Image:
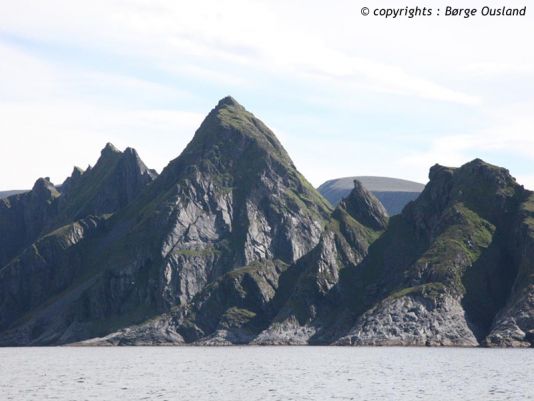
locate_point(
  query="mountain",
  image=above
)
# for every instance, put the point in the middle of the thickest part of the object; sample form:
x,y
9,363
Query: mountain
x,y
231,245
453,269
114,180
393,193
232,200
44,234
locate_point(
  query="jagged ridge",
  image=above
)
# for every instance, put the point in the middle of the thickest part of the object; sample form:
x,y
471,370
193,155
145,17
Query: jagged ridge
x,y
230,244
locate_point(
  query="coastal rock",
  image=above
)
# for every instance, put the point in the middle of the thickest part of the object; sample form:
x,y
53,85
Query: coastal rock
x,y
231,245
419,318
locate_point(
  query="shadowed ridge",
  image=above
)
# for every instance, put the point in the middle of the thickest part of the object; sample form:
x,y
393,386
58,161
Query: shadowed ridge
x,y
363,206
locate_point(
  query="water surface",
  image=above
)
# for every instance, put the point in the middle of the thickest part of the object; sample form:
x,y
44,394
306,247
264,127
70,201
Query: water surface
x,y
265,373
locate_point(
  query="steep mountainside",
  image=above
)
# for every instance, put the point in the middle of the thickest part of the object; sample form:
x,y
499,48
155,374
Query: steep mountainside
x,y
116,178
314,298
233,199
450,267
393,193
270,301
43,231
231,245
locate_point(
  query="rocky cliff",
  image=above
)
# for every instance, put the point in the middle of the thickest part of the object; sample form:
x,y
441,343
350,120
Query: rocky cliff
x,y
45,232
232,200
447,270
231,245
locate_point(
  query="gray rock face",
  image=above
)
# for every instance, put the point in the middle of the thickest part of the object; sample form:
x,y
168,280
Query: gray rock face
x,y
23,217
43,269
231,199
513,326
158,331
413,319
311,312
287,331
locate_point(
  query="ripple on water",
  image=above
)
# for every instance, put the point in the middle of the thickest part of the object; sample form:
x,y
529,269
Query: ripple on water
x,y
266,373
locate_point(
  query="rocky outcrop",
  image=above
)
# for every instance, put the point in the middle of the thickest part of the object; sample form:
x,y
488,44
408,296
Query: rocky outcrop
x,y
236,306
160,330
363,206
513,326
44,269
116,179
453,245
73,180
24,217
419,316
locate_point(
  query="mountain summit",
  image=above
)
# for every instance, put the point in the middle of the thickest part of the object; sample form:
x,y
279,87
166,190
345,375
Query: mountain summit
x,y
232,200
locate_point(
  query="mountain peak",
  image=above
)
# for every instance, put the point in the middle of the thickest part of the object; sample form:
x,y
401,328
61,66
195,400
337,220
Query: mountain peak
x,y
437,170
72,180
77,171
44,189
481,167
478,161
42,183
109,155
230,132
363,206
228,101
116,178
109,149
132,158
486,189
476,171
132,155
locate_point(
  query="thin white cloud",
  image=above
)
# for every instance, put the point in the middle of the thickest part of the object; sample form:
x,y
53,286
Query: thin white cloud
x,y
48,127
511,132
382,78
250,34
427,70
76,133
492,68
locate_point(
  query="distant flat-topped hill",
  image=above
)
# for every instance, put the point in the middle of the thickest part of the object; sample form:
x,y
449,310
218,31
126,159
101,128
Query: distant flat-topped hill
x,y
5,194
394,193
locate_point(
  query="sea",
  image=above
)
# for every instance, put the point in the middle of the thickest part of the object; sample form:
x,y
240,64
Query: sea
x,y
265,373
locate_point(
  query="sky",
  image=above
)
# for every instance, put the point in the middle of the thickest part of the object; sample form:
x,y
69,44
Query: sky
x,y
346,94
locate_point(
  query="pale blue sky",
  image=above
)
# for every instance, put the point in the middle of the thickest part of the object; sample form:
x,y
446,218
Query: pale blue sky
x,y
346,94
